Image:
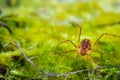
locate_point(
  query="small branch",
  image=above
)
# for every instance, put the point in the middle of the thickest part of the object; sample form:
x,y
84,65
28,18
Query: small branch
x,y
25,56
31,58
85,70
27,59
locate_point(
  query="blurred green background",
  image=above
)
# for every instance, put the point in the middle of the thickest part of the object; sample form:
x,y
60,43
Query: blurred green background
x,y
39,25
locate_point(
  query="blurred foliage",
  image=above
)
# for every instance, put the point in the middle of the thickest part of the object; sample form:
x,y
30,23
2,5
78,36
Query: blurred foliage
x,y
40,25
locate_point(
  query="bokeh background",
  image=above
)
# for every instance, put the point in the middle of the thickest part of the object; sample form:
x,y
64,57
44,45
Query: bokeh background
x,y
39,25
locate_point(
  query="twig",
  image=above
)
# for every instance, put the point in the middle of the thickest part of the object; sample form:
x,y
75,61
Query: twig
x,y
85,70
27,59
31,58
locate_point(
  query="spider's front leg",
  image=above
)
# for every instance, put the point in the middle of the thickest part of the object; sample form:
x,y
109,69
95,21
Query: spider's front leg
x,y
65,42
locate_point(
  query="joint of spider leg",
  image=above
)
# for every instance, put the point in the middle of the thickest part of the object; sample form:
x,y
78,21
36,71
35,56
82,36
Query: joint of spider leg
x,y
111,35
105,33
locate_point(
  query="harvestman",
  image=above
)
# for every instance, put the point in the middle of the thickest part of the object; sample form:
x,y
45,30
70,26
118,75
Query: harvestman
x,y
84,47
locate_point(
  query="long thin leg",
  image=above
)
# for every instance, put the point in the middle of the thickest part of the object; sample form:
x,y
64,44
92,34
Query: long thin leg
x,y
79,32
75,24
101,55
103,35
64,51
64,42
67,41
74,63
89,74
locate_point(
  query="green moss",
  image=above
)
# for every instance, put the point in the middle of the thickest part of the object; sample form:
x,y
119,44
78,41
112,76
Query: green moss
x,y
40,27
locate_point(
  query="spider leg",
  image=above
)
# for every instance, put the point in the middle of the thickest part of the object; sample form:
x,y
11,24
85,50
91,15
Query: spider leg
x,y
89,72
79,32
67,51
101,55
67,41
103,35
75,24
99,39
74,63
64,42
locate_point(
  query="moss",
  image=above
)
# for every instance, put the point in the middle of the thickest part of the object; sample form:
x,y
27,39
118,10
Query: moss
x,y
40,27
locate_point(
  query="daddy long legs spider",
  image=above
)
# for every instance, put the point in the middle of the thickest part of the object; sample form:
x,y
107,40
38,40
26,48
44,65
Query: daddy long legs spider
x,y
84,46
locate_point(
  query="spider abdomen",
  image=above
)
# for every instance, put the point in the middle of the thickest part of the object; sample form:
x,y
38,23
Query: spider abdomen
x,y
84,47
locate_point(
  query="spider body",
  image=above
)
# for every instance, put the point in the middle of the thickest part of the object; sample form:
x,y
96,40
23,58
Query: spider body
x,y
84,47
